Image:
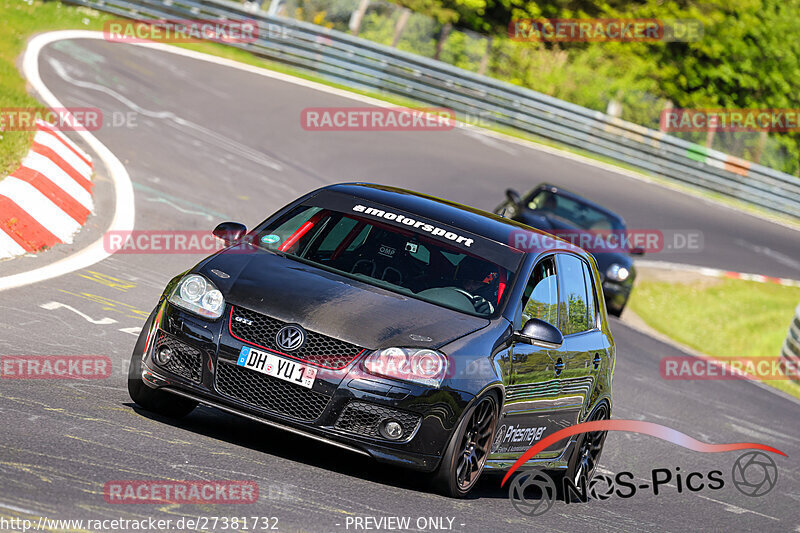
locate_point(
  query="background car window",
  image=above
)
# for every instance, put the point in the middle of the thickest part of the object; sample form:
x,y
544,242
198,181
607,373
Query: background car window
x,y
572,300
590,292
582,215
541,294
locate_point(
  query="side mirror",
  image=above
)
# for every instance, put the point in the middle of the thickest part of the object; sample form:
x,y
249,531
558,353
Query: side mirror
x,y
513,196
230,232
535,331
637,251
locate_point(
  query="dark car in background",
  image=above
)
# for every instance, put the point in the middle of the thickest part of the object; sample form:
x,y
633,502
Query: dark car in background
x,y
394,325
565,214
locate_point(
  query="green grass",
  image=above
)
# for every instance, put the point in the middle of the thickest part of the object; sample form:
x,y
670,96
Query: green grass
x,y
732,318
18,21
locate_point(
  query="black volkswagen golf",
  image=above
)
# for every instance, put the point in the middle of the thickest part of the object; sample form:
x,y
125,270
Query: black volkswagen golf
x,y
393,324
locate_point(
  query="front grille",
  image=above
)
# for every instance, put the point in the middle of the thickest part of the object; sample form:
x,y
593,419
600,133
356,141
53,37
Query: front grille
x,y
364,419
318,349
269,393
186,360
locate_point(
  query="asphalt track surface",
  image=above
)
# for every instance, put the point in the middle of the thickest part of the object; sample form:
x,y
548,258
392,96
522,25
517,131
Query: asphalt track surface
x,y
213,143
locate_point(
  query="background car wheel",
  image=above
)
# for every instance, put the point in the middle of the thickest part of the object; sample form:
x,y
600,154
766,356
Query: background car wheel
x,y
586,454
466,454
157,401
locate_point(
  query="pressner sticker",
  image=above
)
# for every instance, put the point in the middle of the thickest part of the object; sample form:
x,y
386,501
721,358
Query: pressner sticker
x,y
416,224
513,438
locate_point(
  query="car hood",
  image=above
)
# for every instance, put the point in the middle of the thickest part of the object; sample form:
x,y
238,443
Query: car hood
x,y
331,304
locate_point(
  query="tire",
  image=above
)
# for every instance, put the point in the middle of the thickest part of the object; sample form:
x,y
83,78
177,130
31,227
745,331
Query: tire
x,y
586,454
469,447
157,401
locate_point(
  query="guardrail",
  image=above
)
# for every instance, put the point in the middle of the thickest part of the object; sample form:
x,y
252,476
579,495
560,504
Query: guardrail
x,y
790,353
363,64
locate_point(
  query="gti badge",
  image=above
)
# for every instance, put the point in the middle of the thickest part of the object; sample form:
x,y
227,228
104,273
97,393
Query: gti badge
x,y
243,320
290,338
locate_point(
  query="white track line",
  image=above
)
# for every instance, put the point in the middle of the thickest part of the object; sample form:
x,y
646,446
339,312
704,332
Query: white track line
x,y
124,198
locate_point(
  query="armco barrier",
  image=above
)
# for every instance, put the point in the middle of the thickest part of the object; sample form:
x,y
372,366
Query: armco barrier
x,y
790,353
363,64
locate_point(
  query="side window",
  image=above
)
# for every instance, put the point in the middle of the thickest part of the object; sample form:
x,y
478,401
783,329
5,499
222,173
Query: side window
x,y
572,295
590,292
541,294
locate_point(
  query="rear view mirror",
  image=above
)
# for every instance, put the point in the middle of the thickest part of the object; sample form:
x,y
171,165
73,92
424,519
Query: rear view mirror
x,y
513,196
230,232
535,331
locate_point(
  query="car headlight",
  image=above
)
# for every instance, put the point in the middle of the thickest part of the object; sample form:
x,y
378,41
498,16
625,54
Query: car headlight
x,y
419,365
196,294
617,272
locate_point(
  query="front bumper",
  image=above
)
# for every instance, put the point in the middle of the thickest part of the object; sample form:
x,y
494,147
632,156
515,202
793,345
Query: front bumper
x,y
616,293
343,408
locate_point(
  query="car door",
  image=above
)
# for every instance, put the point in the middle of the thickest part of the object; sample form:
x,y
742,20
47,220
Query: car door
x,y
532,406
577,360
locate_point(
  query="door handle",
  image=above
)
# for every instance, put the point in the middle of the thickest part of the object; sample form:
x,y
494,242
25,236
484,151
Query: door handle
x,y
559,366
596,361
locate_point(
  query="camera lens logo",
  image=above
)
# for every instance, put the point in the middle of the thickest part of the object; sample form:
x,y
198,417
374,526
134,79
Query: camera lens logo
x,y
541,493
601,487
754,474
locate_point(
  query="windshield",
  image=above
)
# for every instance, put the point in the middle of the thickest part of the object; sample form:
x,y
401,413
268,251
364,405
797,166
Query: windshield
x,y
399,256
577,213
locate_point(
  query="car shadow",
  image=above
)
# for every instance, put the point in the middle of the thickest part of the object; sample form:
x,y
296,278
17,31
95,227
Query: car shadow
x,y
246,433
218,425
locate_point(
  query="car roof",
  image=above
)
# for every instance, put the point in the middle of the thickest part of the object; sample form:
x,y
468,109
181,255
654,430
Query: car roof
x,y
561,191
477,221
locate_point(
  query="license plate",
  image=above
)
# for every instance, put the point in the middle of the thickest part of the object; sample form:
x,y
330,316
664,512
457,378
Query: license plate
x,y
277,367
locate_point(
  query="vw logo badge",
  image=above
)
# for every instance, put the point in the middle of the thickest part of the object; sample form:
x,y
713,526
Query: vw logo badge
x,y
290,338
